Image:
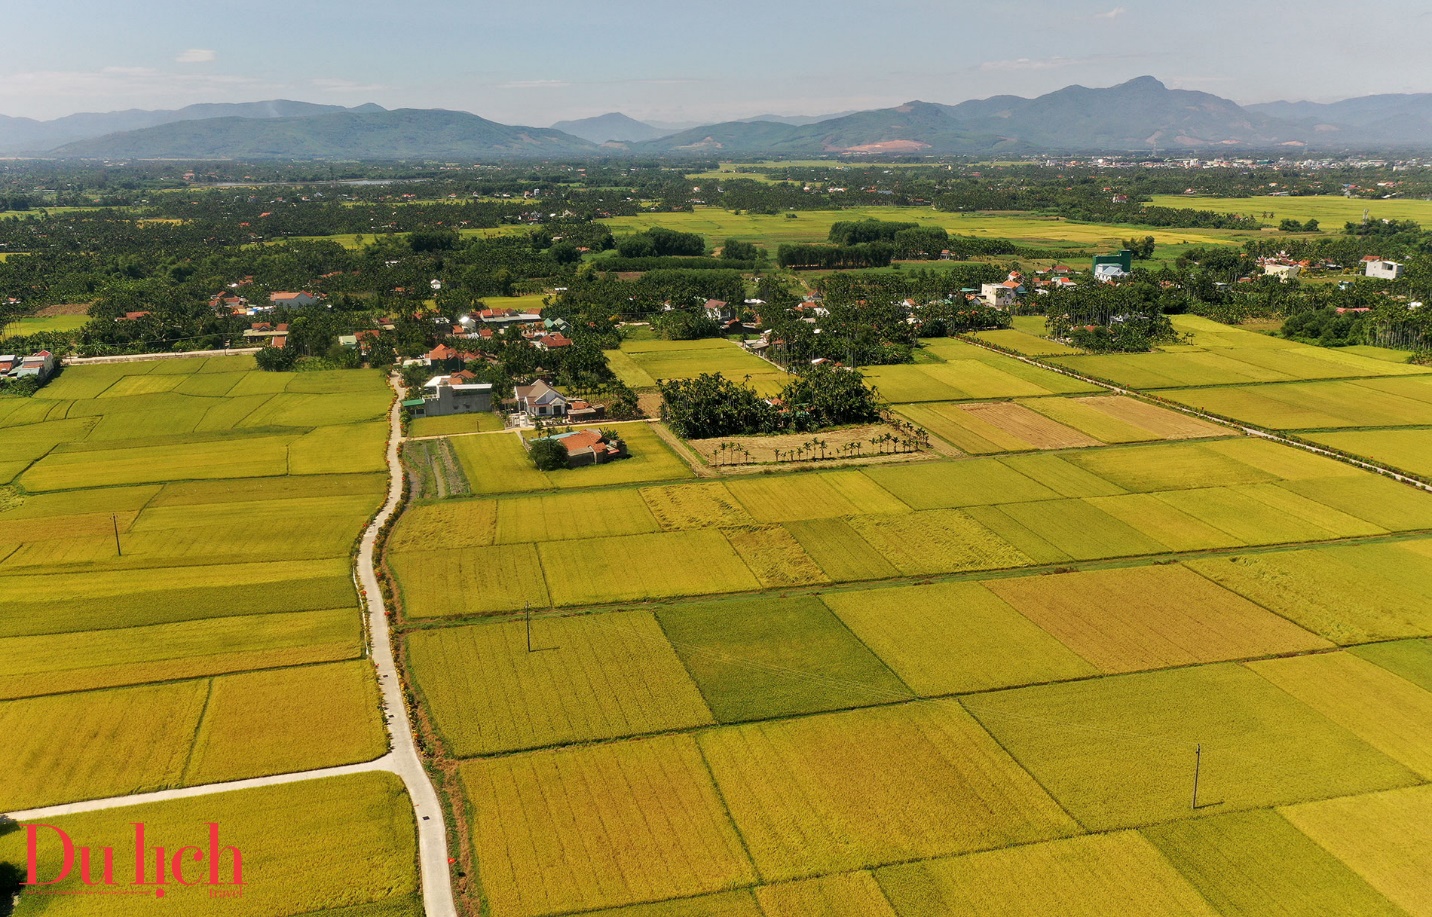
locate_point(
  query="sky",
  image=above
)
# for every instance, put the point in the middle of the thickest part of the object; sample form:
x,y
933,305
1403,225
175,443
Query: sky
x,y
538,61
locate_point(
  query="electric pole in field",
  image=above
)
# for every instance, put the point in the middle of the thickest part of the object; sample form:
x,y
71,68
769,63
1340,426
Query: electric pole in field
x,y
117,549
1197,766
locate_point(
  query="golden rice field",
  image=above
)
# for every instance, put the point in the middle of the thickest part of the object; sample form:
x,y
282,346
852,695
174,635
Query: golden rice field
x,y
277,829
970,683
175,577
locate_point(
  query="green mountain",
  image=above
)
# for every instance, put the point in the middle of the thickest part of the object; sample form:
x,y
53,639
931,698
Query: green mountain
x,y
401,134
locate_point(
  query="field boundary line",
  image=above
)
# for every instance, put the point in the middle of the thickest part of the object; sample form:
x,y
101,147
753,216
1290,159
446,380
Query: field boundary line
x,y
1242,427
385,763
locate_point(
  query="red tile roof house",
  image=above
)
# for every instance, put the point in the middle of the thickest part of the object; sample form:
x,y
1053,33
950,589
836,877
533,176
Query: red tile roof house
x,y
590,447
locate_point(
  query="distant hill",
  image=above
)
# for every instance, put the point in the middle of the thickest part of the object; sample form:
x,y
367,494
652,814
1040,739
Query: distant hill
x,y
26,135
1141,114
610,127
1398,120
401,134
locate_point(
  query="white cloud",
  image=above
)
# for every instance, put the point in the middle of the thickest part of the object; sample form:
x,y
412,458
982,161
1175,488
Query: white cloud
x,y
330,84
534,84
197,56
1114,13
1027,63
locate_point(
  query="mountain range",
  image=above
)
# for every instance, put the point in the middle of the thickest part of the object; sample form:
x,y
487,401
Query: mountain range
x,y
1142,115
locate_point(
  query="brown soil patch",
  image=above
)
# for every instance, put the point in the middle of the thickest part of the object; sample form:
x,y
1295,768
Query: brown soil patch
x,y
69,308
1036,429
649,403
1159,421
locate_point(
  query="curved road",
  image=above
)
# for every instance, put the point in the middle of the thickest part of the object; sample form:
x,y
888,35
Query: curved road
x,y
402,759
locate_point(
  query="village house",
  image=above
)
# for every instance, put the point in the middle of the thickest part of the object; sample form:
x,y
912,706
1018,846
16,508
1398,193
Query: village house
x,y
1283,270
507,317
458,393
999,295
1382,270
40,366
590,447
260,334
540,400
299,300
719,310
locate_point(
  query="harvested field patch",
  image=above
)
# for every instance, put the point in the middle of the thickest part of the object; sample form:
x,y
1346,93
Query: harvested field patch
x,y
839,443
1258,863
559,517
766,657
851,894
620,824
1038,431
165,652
1385,711
620,569
833,792
1119,751
840,551
593,677
1348,594
127,740
287,720
775,556
452,582
277,829
1150,617
940,485
936,541
1079,877
953,638
1384,837
694,506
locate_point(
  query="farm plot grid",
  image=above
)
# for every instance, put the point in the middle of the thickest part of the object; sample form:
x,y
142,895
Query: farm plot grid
x,y
176,581
908,690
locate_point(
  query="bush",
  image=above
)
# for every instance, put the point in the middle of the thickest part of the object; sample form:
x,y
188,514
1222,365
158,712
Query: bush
x,y
275,360
548,454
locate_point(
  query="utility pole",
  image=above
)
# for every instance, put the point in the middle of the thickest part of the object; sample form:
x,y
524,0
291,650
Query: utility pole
x,y
117,549
1197,766
529,626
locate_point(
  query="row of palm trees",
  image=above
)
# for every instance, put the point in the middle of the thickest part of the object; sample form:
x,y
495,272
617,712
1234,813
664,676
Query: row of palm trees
x,y
908,438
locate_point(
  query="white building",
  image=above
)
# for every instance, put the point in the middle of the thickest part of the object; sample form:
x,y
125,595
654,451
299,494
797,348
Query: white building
x,y
1384,270
999,295
1283,272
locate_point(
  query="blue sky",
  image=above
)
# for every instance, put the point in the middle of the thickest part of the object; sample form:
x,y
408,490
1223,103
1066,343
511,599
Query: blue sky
x,y
538,61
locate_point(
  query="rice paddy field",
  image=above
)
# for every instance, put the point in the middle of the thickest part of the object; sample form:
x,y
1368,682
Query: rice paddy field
x,y
771,230
641,364
977,682
175,577
277,830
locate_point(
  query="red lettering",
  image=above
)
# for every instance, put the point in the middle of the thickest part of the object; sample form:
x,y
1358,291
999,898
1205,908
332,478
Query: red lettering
x,y
32,855
214,852
159,878
85,876
176,865
139,853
